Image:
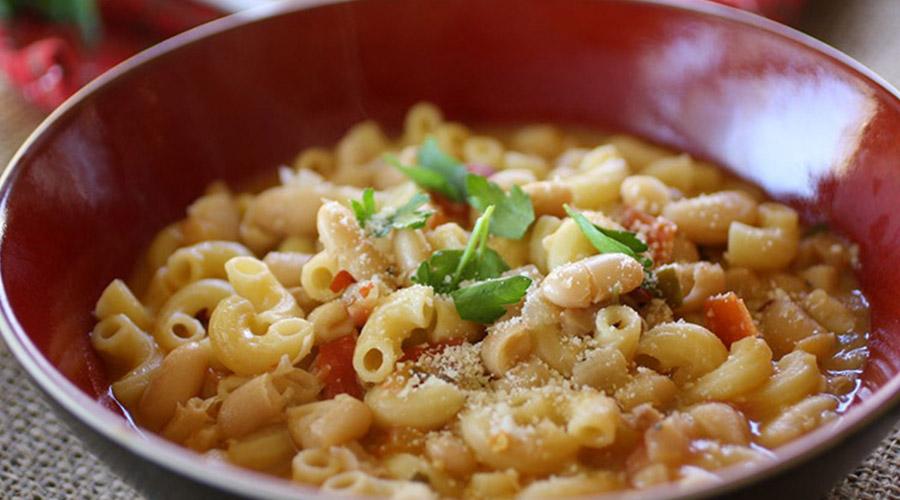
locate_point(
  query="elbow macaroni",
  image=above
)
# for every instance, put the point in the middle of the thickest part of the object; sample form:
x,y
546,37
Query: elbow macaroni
x,y
278,332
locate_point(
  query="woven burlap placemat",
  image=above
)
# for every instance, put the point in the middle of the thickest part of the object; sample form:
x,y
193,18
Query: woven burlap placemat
x,y
41,458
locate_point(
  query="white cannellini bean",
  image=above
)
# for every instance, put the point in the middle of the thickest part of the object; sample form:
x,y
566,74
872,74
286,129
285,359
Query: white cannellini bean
x,y
592,280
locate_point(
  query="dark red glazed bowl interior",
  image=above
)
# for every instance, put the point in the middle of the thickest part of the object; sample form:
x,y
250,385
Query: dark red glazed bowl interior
x,y
240,96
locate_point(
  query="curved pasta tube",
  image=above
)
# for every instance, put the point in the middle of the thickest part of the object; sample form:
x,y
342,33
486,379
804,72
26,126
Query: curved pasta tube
x,y
748,365
179,378
203,260
543,227
798,419
234,341
253,280
410,248
428,405
558,352
214,216
448,325
571,486
409,467
317,275
602,172
359,483
422,120
329,422
118,299
690,350
770,247
505,345
269,449
532,437
549,197
706,219
130,353
604,368
705,280
566,243
394,320
796,376
342,237
250,406
645,193
316,465
593,420
592,280
176,322
281,211
620,327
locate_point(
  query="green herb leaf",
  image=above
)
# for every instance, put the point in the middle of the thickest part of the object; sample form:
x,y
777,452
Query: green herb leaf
x,y
601,241
436,171
610,240
380,224
446,269
437,272
626,238
484,301
364,210
425,179
514,210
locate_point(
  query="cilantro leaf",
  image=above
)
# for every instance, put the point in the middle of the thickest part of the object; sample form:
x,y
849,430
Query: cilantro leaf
x,y
435,171
380,224
364,210
439,270
484,301
602,242
514,211
626,238
446,269
425,179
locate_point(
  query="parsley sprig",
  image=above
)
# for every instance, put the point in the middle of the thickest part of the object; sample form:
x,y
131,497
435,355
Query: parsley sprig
x,y
610,240
482,301
439,172
435,171
379,224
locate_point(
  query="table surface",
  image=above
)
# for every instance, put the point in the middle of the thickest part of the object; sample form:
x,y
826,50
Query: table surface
x,y
41,458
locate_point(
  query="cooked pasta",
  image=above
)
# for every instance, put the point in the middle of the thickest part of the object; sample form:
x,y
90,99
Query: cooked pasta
x,y
467,313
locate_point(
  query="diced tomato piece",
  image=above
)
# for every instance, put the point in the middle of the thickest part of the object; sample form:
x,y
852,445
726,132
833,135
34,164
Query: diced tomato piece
x,y
366,288
482,170
659,233
334,368
341,280
415,352
728,318
449,210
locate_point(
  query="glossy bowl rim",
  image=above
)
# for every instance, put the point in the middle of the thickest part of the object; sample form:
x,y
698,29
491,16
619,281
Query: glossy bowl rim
x,y
251,484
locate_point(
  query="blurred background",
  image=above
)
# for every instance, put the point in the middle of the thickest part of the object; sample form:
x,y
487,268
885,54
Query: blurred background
x,y
50,48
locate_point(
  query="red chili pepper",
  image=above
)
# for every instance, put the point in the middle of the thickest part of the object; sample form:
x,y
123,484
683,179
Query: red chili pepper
x,y
415,352
341,280
334,368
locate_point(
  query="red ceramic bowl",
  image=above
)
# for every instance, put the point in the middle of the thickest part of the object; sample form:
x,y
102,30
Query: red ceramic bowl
x,y
126,155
